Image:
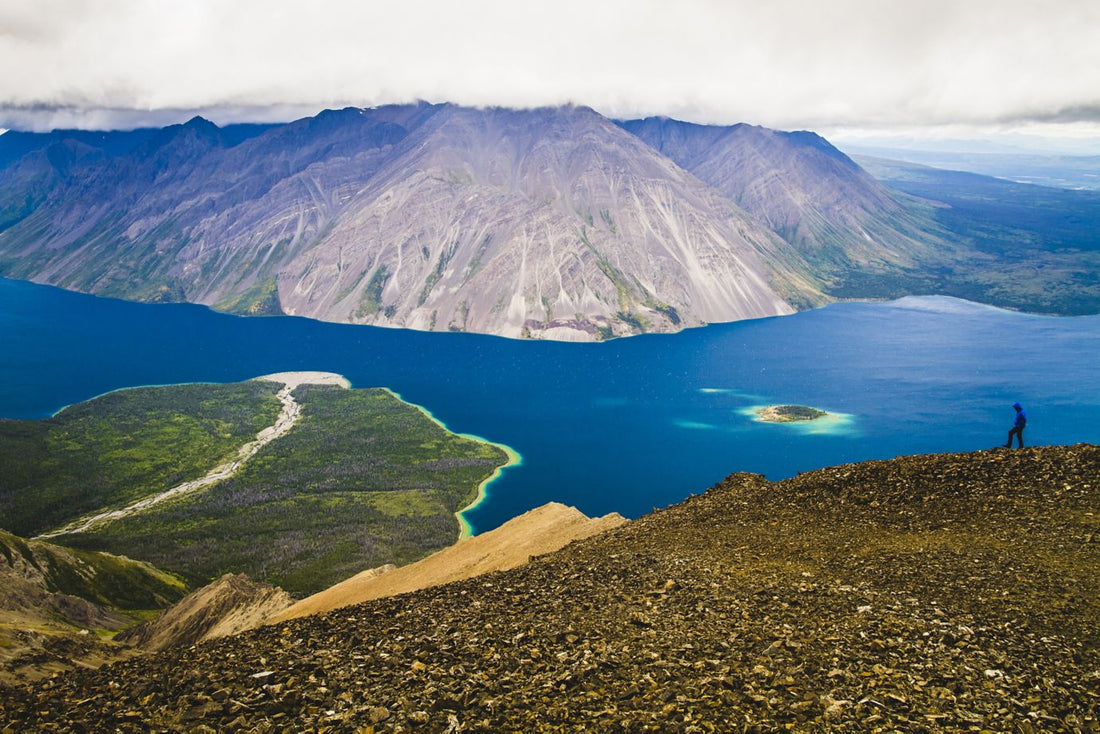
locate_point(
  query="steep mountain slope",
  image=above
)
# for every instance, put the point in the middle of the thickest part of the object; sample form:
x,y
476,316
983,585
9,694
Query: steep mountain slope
x,y
815,197
115,225
223,607
536,532
537,221
550,222
927,593
52,599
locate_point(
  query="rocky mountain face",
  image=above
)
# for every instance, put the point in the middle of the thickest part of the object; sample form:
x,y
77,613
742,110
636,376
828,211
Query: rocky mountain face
x,y
927,593
816,198
545,223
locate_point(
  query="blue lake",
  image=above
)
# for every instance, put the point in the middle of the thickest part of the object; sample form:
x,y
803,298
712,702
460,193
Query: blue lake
x,y
622,426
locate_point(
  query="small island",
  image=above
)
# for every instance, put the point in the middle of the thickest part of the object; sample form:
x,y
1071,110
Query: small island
x,y
789,413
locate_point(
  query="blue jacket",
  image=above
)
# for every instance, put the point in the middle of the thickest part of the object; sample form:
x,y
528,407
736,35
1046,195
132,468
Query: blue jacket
x,y
1021,418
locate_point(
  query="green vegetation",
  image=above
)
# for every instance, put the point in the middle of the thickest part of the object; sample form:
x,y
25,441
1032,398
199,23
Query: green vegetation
x,y
1025,247
790,413
669,312
123,446
605,215
262,299
370,302
476,262
101,578
362,480
632,320
612,273
445,256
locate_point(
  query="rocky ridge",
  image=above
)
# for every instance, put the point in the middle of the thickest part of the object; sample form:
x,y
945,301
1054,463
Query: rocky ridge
x,y
830,210
230,605
946,592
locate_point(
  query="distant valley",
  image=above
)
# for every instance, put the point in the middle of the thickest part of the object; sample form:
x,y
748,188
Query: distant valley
x,y
1034,248
552,223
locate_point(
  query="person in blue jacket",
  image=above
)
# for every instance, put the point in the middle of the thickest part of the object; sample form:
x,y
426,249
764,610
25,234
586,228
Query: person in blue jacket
x,y
1018,427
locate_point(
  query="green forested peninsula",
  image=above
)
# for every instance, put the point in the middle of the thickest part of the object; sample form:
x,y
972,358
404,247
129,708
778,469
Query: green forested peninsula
x,y
360,480
122,446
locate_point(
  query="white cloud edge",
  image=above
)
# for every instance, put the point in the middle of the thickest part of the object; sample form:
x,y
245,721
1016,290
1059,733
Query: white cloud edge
x,y
846,68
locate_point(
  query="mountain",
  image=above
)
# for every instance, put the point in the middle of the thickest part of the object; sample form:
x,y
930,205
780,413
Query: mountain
x,y
551,222
544,223
942,593
816,198
1034,248
539,222
59,606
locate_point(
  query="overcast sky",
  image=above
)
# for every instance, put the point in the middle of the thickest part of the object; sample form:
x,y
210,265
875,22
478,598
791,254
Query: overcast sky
x,y
843,66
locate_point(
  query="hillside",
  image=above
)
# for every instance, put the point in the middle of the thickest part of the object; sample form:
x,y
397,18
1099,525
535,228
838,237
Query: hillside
x,y
819,200
227,606
536,532
234,603
545,223
1039,247
927,593
59,607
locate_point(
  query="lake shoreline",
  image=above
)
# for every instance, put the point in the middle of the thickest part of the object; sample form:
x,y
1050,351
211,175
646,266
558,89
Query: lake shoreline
x,y
293,379
466,529
627,425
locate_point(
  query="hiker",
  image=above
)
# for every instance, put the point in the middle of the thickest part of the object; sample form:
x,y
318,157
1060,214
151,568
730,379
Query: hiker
x,y
1018,427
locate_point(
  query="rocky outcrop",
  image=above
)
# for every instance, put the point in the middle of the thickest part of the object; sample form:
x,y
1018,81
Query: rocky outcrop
x,y
536,532
948,592
224,607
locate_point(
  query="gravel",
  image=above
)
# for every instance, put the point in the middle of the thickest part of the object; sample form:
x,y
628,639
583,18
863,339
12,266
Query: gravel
x,y
948,592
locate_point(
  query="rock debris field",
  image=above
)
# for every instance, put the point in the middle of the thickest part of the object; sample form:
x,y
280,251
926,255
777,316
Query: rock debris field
x,y
951,592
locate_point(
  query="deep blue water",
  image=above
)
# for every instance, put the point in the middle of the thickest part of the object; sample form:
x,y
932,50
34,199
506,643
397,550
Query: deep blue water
x,y
628,425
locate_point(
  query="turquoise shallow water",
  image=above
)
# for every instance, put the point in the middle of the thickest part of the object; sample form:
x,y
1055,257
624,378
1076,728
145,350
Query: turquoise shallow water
x,y
627,425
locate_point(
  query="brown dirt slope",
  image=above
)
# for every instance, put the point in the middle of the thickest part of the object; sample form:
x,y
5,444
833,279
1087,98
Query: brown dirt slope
x,y
224,607
538,531
955,592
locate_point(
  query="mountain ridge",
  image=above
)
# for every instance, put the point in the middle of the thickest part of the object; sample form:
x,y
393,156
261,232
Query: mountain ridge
x,y
551,222
834,213
59,606
938,592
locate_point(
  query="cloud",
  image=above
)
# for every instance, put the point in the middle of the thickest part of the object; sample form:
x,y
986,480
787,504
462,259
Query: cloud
x,y
784,63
